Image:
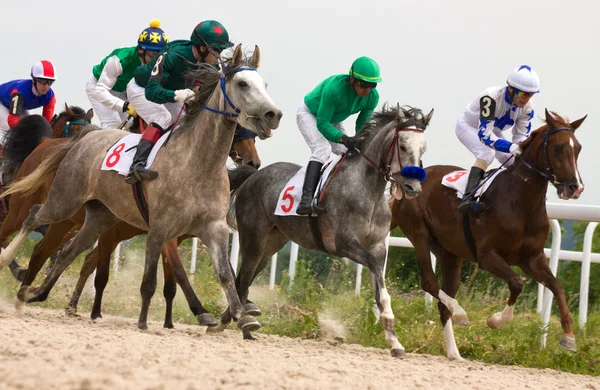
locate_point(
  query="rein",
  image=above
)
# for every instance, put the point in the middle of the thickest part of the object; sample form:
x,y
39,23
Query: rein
x,y
548,175
395,151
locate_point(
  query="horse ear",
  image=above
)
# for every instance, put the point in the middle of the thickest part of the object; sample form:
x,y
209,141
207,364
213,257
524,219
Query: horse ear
x,y
90,114
550,119
255,62
577,123
237,56
68,110
401,114
428,117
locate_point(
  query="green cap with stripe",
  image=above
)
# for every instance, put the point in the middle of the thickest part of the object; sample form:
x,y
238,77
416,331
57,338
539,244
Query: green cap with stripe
x,y
366,69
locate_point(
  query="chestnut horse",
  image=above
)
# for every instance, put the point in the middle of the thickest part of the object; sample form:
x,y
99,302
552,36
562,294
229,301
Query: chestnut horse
x,y
243,151
511,232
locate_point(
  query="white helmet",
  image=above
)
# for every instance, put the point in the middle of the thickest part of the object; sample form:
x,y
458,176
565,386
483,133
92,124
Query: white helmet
x,y
43,70
524,79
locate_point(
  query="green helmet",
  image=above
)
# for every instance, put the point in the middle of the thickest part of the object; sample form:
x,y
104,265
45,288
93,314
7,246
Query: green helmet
x,y
211,33
366,69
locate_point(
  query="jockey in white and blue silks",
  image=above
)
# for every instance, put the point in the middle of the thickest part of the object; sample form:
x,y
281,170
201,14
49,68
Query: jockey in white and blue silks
x,y
480,127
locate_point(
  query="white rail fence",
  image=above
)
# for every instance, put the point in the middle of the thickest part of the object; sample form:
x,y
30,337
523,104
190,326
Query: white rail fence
x,y
555,211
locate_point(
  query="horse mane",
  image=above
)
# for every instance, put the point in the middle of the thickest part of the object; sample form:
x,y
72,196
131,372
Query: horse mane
x,y
209,77
78,111
412,117
21,140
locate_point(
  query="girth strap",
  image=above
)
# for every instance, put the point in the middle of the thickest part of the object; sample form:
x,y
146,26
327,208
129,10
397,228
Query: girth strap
x,y
140,201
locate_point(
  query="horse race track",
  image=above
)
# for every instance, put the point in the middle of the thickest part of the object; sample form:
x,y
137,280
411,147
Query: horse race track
x,y
44,349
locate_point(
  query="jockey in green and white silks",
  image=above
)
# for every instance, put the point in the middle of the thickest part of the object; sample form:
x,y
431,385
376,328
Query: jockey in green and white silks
x,y
480,127
158,89
108,82
321,115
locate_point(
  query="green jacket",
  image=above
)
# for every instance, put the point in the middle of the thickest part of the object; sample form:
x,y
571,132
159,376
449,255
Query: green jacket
x,y
129,59
165,73
334,100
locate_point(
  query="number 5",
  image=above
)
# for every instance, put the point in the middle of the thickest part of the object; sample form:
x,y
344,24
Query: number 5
x,y
288,196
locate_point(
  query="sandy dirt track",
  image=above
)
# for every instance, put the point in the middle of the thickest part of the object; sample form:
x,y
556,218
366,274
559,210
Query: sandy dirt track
x,y
42,348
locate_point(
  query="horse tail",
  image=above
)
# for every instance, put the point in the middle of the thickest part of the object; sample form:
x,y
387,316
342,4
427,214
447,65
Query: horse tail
x,y
237,177
30,183
21,140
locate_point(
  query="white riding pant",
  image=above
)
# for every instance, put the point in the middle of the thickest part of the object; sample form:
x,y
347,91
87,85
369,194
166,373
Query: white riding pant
x,y
109,119
469,137
161,114
4,127
320,147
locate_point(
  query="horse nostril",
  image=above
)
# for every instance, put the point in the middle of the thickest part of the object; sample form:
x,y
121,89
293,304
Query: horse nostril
x,y
270,115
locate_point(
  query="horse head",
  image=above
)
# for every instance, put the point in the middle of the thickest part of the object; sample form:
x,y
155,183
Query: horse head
x,y
400,141
246,90
243,149
70,122
552,151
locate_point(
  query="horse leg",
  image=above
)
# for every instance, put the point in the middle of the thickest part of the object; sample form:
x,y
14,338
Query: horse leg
x,y
98,218
51,242
169,290
89,265
538,268
451,266
492,262
202,315
11,224
215,236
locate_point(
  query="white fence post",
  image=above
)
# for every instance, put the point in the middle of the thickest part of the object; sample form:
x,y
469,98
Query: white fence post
x,y
194,254
293,258
116,258
585,273
273,270
359,268
429,297
547,295
235,251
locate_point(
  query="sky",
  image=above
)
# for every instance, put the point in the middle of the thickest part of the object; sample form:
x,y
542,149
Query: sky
x,y
433,54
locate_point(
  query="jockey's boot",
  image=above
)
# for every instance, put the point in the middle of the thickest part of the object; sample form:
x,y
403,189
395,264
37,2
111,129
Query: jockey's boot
x,y
313,173
469,203
138,171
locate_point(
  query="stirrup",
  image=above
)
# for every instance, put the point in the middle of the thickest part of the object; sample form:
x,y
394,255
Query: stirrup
x,y
471,205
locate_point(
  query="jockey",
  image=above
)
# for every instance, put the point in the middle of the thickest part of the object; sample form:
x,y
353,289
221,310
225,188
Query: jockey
x,y
480,127
320,120
106,86
18,96
158,89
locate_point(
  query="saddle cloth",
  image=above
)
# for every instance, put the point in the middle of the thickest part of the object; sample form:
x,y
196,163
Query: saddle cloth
x,y
120,156
457,180
289,198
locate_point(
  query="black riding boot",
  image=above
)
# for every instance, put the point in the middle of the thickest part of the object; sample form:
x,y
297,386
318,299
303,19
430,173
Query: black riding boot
x,y
138,171
469,203
313,174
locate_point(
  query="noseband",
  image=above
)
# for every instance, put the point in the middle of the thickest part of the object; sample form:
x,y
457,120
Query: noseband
x,y
547,174
66,133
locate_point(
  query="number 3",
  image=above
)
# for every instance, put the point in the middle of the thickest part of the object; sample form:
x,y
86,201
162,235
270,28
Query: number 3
x,y
488,108
458,175
288,196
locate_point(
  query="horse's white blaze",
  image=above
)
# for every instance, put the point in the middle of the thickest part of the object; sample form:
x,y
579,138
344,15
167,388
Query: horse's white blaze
x,y
252,100
451,347
580,185
451,304
386,302
392,340
496,320
9,252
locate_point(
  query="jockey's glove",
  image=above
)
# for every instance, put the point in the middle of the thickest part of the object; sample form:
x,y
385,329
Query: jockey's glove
x,y
128,108
350,143
182,95
515,150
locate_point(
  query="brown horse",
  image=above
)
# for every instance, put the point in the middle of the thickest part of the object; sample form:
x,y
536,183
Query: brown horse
x,y
244,150
511,232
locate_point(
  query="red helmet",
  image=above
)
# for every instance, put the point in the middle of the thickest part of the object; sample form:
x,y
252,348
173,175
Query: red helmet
x,y
43,70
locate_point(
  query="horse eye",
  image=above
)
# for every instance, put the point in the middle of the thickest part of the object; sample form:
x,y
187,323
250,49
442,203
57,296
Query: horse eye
x,y
403,148
558,148
242,84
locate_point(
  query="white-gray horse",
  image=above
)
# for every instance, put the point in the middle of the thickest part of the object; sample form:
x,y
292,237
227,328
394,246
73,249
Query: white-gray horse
x,y
190,196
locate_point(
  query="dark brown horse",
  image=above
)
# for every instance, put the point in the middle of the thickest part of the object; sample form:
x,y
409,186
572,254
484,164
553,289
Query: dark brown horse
x,y
511,232
244,150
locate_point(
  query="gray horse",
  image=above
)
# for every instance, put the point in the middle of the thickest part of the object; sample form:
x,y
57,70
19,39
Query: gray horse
x,y
190,196
358,216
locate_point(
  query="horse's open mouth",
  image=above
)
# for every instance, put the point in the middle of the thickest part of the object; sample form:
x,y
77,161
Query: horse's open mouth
x,y
267,132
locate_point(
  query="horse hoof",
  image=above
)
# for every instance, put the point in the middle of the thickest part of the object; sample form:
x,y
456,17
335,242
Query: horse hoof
x,y
206,319
460,319
248,335
26,294
248,323
71,312
494,321
94,317
216,329
387,323
568,343
399,353
168,325
251,309
142,325
456,358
